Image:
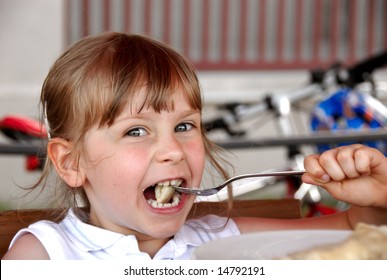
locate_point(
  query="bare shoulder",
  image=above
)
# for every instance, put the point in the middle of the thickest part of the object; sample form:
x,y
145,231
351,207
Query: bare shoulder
x,y
27,247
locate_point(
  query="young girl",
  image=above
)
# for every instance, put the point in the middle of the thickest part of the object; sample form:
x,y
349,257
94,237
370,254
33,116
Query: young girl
x,y
124,119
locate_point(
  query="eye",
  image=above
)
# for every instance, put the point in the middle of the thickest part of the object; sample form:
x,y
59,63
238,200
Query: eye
x,y
183,127
136,132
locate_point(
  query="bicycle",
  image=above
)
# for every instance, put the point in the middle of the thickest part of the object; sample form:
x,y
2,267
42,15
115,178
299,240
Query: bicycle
x,y
322,85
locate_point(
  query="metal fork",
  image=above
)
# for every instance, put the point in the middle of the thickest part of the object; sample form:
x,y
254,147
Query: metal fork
x,y
214,190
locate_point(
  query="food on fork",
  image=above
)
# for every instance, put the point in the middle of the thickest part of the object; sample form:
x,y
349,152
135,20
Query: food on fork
x,y
366,242
164,192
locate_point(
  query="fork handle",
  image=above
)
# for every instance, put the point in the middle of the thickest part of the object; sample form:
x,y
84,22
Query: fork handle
x,y
264,174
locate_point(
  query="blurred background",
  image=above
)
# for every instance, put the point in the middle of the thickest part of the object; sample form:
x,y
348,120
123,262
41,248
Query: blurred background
x,y
244,50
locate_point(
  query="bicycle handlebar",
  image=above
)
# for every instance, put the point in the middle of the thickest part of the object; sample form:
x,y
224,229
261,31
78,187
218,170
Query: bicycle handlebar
x,y
358,73
22,149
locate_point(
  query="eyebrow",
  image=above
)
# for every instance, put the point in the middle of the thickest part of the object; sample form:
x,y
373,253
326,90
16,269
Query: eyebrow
x,y
142,115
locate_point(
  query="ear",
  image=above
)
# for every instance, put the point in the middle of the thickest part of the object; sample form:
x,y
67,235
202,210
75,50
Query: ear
x,y
65,163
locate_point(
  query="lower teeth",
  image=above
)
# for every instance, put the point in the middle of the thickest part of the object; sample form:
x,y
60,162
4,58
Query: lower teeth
x,y
175,202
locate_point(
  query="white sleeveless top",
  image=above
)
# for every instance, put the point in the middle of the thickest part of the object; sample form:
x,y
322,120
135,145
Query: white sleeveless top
x,y
72,239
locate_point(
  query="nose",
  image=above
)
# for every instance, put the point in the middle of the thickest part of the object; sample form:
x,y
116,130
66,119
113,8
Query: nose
x,y
170,149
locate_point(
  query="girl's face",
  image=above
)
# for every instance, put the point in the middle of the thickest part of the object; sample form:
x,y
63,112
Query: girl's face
x,y
123,162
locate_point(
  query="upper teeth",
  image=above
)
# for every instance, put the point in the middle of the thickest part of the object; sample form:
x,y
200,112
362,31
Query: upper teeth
x,y
164,191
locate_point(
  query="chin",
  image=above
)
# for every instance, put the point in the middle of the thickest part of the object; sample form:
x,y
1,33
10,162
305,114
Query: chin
x,y
168,229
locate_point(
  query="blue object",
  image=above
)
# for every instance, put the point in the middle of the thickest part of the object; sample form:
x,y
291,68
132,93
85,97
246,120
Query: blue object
x,y
346,110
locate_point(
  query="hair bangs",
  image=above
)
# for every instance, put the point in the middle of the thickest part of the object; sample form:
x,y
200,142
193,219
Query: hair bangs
x,y
147,63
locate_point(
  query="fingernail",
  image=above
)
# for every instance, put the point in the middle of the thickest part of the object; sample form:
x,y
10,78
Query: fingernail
x,y
325,178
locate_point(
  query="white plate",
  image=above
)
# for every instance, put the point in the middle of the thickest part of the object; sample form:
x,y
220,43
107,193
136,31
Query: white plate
x,y
267,245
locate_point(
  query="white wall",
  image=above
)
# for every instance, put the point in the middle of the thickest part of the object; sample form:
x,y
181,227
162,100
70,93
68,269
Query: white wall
x,y
30,40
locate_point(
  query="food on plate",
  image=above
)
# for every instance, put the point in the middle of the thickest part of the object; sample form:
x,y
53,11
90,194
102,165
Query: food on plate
x,y
366,242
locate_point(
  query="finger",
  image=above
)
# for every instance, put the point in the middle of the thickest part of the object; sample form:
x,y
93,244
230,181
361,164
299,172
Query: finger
x,y
334,188
364,160
346,159
315,173
319,181
328,161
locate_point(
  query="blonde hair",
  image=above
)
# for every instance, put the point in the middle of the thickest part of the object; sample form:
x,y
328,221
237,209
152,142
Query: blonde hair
x,y
93,80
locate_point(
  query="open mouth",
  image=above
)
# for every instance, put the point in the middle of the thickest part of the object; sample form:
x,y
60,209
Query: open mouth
x,y
163,195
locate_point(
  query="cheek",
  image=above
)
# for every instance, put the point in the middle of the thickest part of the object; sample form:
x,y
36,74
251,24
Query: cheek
x,y
117,168
129,162
197,156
